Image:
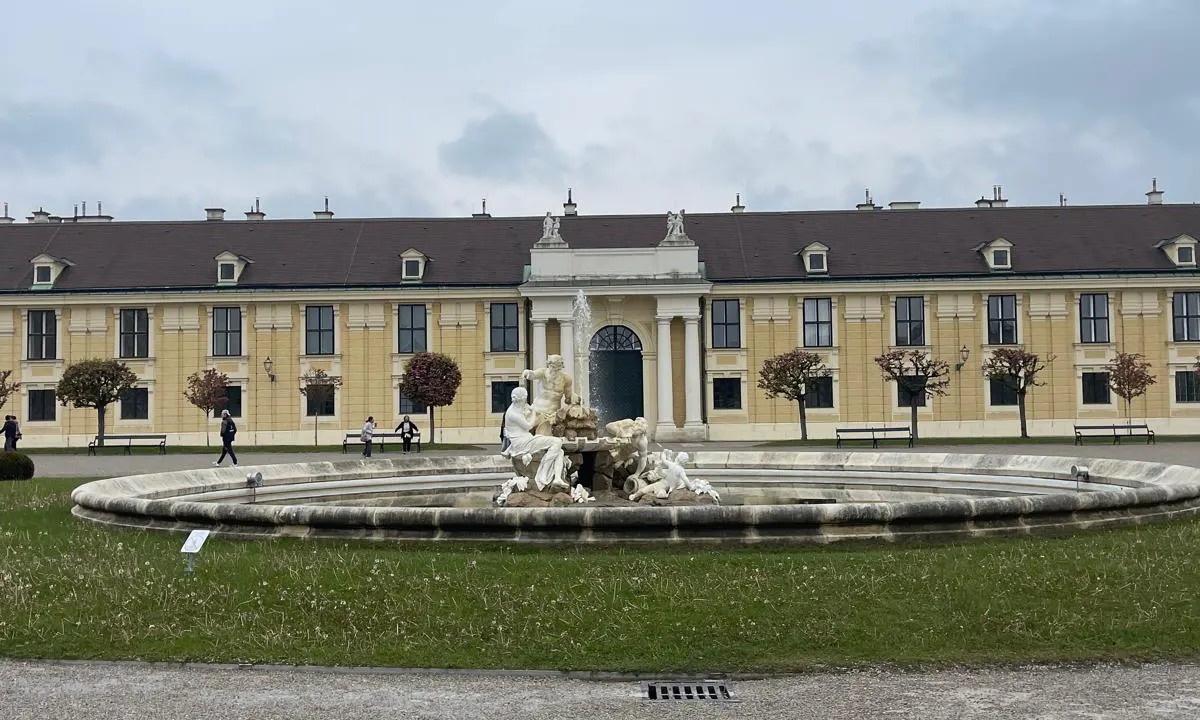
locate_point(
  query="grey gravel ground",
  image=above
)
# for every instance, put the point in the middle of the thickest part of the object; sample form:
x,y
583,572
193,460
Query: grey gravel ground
x,y
129,690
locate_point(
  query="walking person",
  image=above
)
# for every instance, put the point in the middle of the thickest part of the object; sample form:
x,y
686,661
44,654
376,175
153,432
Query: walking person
x,y
16,437
407,428
10,433
368,434
228,432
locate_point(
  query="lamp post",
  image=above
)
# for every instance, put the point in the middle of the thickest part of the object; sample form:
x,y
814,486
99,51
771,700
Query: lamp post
x,y
965,354
269,368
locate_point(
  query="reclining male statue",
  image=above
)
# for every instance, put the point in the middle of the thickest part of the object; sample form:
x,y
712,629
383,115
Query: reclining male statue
x,y
523,445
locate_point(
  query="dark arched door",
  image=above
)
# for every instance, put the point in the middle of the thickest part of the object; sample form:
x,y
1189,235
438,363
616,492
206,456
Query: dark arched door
x,y
616,378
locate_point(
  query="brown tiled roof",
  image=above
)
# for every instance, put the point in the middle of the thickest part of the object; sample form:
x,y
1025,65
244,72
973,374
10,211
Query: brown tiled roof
x,y
493,251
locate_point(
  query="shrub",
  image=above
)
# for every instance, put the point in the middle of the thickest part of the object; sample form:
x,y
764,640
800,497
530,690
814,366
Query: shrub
x,y
15,466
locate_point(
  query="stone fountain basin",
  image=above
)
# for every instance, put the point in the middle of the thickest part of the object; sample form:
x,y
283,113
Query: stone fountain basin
x,y
766,498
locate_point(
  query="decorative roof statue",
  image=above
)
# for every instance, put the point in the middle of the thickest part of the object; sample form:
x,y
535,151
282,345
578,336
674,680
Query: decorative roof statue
x,y
550,232
676,235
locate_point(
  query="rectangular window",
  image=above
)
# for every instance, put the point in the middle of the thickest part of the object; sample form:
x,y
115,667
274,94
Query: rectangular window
x,y
910,321
727,394
318,330
1093,318
320,402
818,322
227,272
41,405
135,333
233,396
135,404
227,332
43,335
42,274
410,327
1187,386
726,323
502,394
1095,388
410,407
1002,320
1185,311
505,336
819,393
904,398
1001,393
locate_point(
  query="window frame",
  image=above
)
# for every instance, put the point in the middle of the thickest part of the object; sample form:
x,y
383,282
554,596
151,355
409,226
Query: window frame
x,y
996,323
47,340
909,322
137,336
330,400
506,397
141,401
901,391
413,408
230,333
1189,320
241,399
735,398
1007,391
221,272
1089,319
722,329
1083,380
817,325
1190,388
411,330
320,333
37,271
500,325
816,391
30,405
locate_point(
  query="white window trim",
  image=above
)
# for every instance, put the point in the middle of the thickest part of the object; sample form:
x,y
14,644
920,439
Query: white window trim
x,y
891,316
322,420
1003,409
337,330
487,382
148,422
396,354
1021,329
710,391
27,388
836,410
58,335
423,263
150,344
1173,368
49,268
741,325
244,384
906,411
211,310
833,323
1188,346
1171,249
1078,317
815,248
397,415
1114,402
988,251
523,341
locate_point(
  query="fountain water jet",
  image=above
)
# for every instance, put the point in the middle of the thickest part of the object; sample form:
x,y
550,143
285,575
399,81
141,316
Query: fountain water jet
x,y
581,324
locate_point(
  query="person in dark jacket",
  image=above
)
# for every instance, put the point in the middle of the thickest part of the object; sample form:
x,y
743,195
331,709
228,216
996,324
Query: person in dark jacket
x,y
10,433
228,432
407,428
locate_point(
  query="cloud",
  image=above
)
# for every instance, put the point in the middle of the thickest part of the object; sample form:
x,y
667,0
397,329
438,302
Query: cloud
x,y
41,134
506,147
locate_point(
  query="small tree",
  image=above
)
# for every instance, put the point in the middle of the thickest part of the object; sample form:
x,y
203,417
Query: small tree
x,y
95,384
431,379
1129,376
920,375
318,387
1019,370
791,376
206,391
7,389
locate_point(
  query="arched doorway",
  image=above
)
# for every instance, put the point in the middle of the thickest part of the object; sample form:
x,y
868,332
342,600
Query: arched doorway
x,y
616,373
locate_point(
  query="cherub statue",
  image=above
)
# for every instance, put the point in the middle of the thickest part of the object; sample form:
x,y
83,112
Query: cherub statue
x,y
634,447
673,477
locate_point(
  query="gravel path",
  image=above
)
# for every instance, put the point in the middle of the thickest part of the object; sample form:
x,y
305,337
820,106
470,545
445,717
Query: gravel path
x,y
95,691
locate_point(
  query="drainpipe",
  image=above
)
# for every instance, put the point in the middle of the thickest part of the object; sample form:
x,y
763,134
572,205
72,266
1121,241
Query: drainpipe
x,y
703,366
528,343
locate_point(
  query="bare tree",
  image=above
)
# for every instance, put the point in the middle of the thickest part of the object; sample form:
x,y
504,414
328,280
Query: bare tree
x,y
206,391
318,386
7,389
791,376
1129,377
1019,370
919,374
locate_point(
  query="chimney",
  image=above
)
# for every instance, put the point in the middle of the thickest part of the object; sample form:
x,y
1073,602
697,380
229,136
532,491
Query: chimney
x,y
5,219
483,213
99,217
997,199
325,214
256,213
569,207
214,213
39,216
868,204
1154,197
1062,200
739,207
904,205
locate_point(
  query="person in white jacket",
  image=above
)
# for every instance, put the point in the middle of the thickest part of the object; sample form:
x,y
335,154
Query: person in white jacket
x,y
368,435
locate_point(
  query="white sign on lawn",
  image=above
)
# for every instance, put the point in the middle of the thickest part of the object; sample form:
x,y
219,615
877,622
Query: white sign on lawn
x,y
195,541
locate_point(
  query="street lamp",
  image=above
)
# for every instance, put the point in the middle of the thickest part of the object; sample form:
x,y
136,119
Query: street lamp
x,y
269,368
963,353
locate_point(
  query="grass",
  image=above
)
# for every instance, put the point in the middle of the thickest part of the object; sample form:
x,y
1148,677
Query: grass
x,y
69,590
858,444
118,448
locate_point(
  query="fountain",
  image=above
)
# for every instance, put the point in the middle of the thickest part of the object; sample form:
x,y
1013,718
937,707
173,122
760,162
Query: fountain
x,y
581,324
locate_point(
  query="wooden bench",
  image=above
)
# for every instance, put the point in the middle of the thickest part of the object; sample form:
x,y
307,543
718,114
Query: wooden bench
x,y
1116,432
874,434
380,439
129,440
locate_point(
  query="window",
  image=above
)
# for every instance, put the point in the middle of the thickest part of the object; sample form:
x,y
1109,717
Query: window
x,y
135,334
227,332
233,396
1187,386
818,322
410,407
910,321
41,405
410,328
816,262
1185,310
1000,259
1093,317
43,335
1095,388
505,336
226,272
318,330
819,393
320,403
42,274
1002,320
412,269
502,394
726,324
1001,393
904,397
135,404
1187,255
727,394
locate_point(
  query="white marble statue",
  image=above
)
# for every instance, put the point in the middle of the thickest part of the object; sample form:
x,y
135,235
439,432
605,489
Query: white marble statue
x,y
672,477
557,391
633,449
516,483
519,421
675,224
550,227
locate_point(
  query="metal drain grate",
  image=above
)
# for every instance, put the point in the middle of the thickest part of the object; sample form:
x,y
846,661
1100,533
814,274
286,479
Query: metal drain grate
x,y
701,690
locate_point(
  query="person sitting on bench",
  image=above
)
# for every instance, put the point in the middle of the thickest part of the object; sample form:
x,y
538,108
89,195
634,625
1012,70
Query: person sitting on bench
x,y
407,428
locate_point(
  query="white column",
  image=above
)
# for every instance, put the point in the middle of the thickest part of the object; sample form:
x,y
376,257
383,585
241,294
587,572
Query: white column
x,y
691,372
566,348
666,412
539,343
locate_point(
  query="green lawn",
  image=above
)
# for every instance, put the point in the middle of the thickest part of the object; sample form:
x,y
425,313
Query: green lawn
x,y
69,590
859,443
118,448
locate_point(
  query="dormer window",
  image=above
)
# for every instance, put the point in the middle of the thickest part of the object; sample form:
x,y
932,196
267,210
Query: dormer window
x,y
816,259
1180,250
1187,255
1000,259
816,262
230,267
42,274
412,265
997,254
226,272
47,269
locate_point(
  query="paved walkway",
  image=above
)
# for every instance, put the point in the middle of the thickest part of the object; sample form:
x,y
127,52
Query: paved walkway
x,y
97,691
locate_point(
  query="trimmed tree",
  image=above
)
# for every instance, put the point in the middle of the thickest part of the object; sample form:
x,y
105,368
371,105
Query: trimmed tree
x,y
431,379
1019,370
318,386
1129,377
206,391
7,388
791,376
95,384
918,374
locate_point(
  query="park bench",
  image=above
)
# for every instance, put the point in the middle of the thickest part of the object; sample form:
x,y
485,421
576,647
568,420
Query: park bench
x,y
1116,432
129,440
874,434
380,439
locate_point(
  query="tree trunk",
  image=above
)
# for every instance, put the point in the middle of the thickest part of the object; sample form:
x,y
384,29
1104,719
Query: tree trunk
x,y
100,413
915,434
1021,413
316,419
431,427
803,420
207,433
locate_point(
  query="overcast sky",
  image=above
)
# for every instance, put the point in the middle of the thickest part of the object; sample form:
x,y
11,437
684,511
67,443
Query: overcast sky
x,y
161,109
